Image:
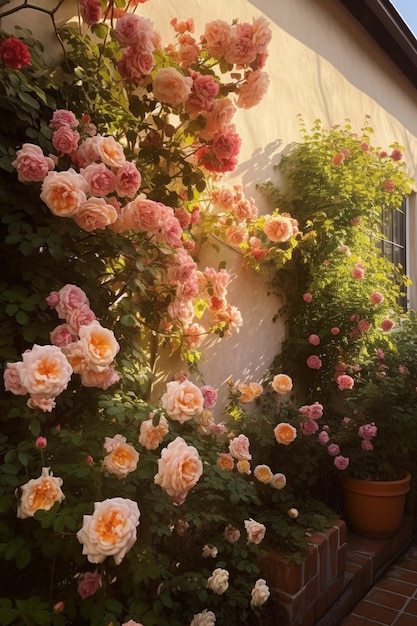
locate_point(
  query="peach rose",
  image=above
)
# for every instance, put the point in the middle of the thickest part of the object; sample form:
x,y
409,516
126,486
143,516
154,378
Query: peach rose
x,y
285,433
76,356
103,379
100,178
122,458
261,34
182,401
95,214
220,117
278,229
44,371
151,436
231,534
31,164
253,90
109,151
67,299
99,345
12,380
64,192
239,448
110,530
255,531
179,469
65,140
43,404
171,87
282,384
278,481
40,493
142,214
263,473
217,37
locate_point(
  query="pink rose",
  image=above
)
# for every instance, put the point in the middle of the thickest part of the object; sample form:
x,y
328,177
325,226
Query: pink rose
x,y
341,462
81,316
110,530
396,154
101,180
67,299
368,431
241,50
89,583
62,335
95,214
367,445
335,330
209,395
102,379
345,382
135,64
64,192
333,449
31,164
307,297
91,11
323,437
128,180
171,87
219,117
314,362
62,117
358,271
255,531
88,150
142,215
12,380
314,340
182,401
135,29
65,140
14,53
309,427
278,229
231,534
389,185
239,448
338,158
179,469
376,297
251,92
261,34
217,37
41,442
170,232
203,92
44,371
387,324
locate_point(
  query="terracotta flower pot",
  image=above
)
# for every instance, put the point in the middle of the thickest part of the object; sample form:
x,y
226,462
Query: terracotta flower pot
x,y
374,508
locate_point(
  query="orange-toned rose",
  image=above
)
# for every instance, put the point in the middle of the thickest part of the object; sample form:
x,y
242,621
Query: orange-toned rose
x,y
278,229
110,530
110,151
99,345
285,433
225,461
122,458
179,469
95,214
40,494
263,473
151,436
182,401
282,384
44,371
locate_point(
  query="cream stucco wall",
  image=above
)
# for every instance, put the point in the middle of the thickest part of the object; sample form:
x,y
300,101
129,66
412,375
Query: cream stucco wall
x,y
322,64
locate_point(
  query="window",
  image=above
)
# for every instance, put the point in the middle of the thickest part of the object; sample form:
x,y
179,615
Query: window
x,y
393,247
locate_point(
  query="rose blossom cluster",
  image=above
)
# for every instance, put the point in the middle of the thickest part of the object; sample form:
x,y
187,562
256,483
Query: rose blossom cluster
x,y
240,226
89,348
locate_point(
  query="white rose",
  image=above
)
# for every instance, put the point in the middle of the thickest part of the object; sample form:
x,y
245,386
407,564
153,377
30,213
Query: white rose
x,y
209,550
205,618
40,493
260,593
218,581
110,531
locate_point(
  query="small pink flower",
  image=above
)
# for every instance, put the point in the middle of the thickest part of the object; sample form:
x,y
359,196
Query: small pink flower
x,y
89,583
335,330
323,437
338,158
209,395
59,607
358,271
89,459
387,324
314,362
314,340
367,445
367,431
307,297
389,185
333,449
355,221
309,427
41,442
363,326
345,382
364,146
401,369
380,354
341,462
376,297
396,154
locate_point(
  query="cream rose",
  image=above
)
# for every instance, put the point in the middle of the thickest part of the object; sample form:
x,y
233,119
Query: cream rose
x,y
64,192
99,344
260,593
122,458
278,481
95,214
40,494
44,371
218,581
182,401
110,530
109,151
255,531
205,618
179,469
172,87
